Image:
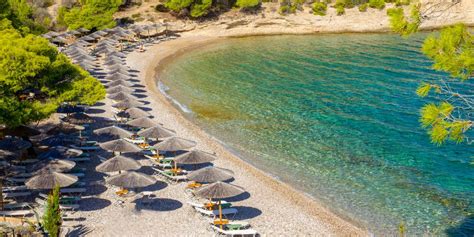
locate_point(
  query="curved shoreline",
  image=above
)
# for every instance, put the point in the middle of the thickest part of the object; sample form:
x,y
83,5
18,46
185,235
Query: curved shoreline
x,y
157,58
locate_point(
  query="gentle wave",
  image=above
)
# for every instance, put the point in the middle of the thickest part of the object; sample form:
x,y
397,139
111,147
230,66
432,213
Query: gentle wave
x,y
163,88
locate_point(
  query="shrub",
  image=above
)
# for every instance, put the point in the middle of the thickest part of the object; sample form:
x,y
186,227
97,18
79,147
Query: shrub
x,y
201,9
344,4
161,8
320,8
399,3
378,4
247,3
52,216
340,10
363,7
178,5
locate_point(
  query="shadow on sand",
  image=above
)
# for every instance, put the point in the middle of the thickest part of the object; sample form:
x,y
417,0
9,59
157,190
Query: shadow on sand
x,y
246,212
93,204
157,204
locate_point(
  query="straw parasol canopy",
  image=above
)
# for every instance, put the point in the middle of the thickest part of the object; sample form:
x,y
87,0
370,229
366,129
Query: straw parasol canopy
x,y
64,128
113,131
117,76
131,179
134,113
60,152
144,122
175,144
129,103
118,163
120,145
56,165
14,144
219,190
210,174
120,82
68,109
119,96
59,140
21,131
195,157
78,118
48,179
158,132
119,88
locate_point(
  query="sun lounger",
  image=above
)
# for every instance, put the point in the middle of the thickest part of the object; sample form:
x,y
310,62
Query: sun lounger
x,y
79,159
135,141
14,189
73,190
63,200
231,224
16,194
85,148
241,232
14,206
224,204
174,178
63,207
214,213
16,213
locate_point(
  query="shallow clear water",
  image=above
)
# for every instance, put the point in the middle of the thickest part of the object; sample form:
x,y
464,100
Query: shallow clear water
x,y
337,117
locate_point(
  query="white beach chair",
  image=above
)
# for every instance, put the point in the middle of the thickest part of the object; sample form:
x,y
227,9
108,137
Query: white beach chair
x,y
176,178
214,213
85,148
64,207
14,206
135,141
16,194
73,190
21,213
203,205
14,189
242,232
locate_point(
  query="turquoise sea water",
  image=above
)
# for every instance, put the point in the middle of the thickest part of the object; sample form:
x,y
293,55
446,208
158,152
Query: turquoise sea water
x,y
337,117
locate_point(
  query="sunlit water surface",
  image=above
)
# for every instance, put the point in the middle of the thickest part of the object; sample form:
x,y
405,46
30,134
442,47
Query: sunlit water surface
x,y
337,117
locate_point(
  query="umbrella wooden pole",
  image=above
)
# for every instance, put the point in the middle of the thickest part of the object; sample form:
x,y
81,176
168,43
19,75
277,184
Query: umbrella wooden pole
x,y
1,193
220,214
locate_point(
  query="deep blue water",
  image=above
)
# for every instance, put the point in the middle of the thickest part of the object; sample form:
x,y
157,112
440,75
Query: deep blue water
x,y
337,117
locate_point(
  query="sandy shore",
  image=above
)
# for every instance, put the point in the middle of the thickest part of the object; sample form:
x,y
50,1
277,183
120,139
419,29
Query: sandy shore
x,y
284,211
273,208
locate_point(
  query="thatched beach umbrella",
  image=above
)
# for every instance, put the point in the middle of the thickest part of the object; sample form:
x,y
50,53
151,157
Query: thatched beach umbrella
x,y
60,152
118,54
78,118
131,179
125,104
87,38
64,128
121,83
21,131
158,132
119,145
219,190
120,70
56,165
175,144
117,76
119,96
118,163
134,113
120,88
14,144
113,131
144,122
49,179
195,157
210,174
59,140
83,30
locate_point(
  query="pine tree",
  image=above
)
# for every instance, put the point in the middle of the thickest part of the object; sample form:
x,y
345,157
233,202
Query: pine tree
x,y
52,216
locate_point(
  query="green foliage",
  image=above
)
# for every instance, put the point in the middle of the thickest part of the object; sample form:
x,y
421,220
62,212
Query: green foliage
x,y
288,7
452,51
442,128
340,10
29,64
399,3
60,22
20,14
363,7
178,5
247,3
378,4
400,24
320,8
201,9
92,14
52,216
344,4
